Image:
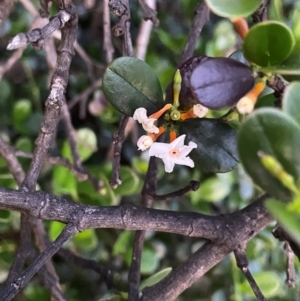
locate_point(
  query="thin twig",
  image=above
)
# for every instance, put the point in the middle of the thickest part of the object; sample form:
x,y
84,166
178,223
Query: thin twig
x,y
107,43
201,17
149,12
193,185
118,139
242,263
134,274
290,266
262,12
13,288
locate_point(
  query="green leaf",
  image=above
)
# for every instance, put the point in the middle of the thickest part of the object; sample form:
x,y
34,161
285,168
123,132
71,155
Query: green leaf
x,y
21,110
87,143
64,182
130,182
276,134
290,221
233,8
86,240
261,45
216,144
268,282
149,262
55,229
290,101
129,83
123,242
155,278
214,189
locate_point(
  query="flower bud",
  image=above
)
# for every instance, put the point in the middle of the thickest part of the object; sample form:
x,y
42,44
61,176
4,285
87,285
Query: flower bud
x,y
199,110
144,142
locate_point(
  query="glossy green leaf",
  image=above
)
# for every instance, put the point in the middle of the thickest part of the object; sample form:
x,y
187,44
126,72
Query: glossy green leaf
x,y
290,221
155,278
261,45
216,144
276,134
268,282
233,8
291,101
129,83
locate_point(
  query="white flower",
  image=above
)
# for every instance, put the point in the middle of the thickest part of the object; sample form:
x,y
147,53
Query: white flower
x,y
173,153
140,115
144,142
199,110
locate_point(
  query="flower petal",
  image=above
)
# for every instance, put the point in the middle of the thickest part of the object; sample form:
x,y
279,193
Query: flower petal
x,y
199,110
159,149
178,142
186,149
148,126
144,142
187,161
140,115
169,164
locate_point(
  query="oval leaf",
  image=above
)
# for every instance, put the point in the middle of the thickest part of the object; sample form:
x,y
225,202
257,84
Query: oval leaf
x,y
129,83
216,144
155,278
214,82
290,101
261,45
276,134
233,8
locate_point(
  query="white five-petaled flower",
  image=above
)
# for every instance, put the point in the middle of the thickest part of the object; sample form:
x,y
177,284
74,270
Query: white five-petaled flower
x,y
140,115
144,142
199,110
173,153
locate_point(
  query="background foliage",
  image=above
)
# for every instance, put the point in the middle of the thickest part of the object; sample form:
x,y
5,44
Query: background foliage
x,y
22,94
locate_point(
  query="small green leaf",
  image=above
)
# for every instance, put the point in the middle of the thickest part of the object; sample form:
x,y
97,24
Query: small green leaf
x,y
233,8
129,83
274,133
155,278
21,110
290,221
214,189
290,101
86,240
149,262
268,282
216,144
261,45
87,143
123,242
130,182
55,229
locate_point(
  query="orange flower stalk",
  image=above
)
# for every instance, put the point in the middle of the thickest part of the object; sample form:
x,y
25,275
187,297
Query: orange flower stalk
x,y
240,25
157,114
247,103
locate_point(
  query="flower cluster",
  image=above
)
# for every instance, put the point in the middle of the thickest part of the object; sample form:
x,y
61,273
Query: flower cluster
x,y
174,152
